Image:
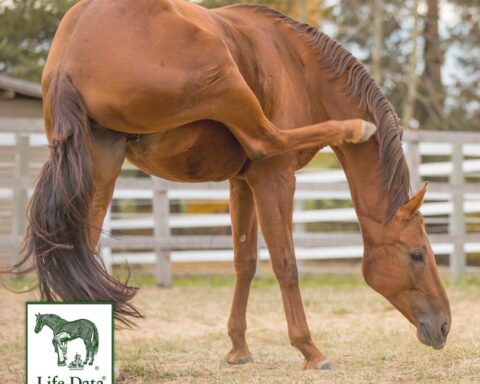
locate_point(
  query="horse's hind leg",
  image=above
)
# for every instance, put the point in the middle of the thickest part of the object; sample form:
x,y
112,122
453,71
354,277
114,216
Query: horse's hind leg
x,y
273,185
108,154
244,233
89,352
89,357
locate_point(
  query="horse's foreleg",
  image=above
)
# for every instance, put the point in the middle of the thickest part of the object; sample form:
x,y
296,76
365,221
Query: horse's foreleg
x,y
273,185
261,139
244,233
60,350
58,353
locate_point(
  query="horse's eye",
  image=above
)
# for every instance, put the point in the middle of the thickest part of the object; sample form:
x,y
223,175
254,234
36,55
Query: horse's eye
x,y
416,256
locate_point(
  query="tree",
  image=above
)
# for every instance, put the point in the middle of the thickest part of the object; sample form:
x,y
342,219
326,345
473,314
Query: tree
x,y
307,11
412,78
27,28
446,94
463,42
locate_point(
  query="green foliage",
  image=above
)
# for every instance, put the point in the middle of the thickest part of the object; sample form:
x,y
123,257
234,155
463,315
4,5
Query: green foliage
x,y
27,28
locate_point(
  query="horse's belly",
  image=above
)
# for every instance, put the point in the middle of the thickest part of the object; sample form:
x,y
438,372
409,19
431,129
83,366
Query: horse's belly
x,y
200,151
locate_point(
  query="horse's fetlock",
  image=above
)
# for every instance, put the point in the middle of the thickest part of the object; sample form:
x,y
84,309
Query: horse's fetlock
x,y
299,340
236,329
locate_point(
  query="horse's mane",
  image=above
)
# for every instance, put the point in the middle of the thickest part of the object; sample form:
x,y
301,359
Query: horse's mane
x,y
53,316
339,61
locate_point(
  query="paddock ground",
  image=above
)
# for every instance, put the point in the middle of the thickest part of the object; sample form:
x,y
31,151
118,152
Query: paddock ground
x,y
183,338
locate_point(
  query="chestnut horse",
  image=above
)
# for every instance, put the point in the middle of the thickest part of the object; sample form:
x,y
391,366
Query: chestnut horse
x,y
241,93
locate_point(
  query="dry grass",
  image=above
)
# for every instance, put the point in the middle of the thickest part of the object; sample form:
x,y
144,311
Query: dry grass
x,y
183,338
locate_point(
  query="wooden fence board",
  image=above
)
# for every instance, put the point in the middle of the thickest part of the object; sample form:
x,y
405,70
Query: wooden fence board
x,y
17,174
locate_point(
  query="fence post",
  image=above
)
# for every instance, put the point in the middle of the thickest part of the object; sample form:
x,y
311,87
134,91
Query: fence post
x,y
299,206
107,251
414,160
20,195
258,267
161,229
458,259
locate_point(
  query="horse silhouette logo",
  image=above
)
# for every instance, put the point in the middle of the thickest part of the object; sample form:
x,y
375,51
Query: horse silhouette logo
x,y
65,331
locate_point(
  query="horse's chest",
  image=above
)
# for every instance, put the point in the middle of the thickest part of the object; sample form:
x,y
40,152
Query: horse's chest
x,y
200,151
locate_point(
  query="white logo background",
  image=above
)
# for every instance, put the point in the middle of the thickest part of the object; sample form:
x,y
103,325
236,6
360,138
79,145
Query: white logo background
x,y
42,358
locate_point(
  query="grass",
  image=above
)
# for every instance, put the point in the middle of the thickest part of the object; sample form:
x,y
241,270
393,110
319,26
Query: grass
x,y
183,337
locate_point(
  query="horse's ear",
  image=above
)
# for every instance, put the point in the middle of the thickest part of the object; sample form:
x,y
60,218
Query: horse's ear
x,y
37,314
414,204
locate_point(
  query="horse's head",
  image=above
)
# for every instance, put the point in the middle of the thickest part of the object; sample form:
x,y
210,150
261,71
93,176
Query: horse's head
x,y
399,264
39,324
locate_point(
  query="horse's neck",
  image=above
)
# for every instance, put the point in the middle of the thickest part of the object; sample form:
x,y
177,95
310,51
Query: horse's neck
x,y
362,168
51,322
361,162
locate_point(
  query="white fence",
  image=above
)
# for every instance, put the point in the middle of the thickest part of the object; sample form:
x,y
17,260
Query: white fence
x,y
448,203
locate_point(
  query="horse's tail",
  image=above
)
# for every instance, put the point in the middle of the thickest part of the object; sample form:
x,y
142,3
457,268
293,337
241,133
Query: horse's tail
x,y
68,266
95,339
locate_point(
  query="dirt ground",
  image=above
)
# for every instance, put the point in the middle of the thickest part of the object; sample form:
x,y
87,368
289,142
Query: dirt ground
x,y
183,338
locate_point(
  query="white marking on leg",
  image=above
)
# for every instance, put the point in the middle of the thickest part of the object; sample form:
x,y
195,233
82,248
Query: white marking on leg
x,y
243,238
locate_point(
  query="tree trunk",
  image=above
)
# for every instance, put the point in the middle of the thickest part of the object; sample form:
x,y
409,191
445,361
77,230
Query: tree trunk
x,y
433,93
378,9
412,77
302,11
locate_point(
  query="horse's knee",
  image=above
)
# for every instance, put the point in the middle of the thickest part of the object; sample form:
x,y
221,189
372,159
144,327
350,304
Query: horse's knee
x,y
246,268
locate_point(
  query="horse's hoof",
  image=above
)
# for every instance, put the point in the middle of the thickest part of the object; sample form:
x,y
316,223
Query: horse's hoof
x,y
368,130
359,131
239,358
325,365
62,364
322,364
90,363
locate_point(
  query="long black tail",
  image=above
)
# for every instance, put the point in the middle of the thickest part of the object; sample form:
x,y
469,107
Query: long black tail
x,y
57,239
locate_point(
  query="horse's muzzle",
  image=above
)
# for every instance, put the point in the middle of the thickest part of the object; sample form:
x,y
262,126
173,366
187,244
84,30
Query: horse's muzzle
x,y
433,333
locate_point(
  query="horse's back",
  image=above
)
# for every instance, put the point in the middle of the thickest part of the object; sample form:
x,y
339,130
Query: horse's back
x,y
80,324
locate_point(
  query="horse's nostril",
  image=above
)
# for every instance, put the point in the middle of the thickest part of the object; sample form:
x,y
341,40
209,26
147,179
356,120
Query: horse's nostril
x,y
444,329
423,326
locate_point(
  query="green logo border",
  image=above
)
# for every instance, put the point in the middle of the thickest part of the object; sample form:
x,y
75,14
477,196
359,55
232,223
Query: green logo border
x,y
112,304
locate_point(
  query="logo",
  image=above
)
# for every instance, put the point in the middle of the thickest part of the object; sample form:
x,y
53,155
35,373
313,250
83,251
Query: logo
x,y
69,343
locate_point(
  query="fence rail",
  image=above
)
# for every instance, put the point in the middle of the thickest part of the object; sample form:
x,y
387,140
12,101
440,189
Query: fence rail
x,y
454,200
